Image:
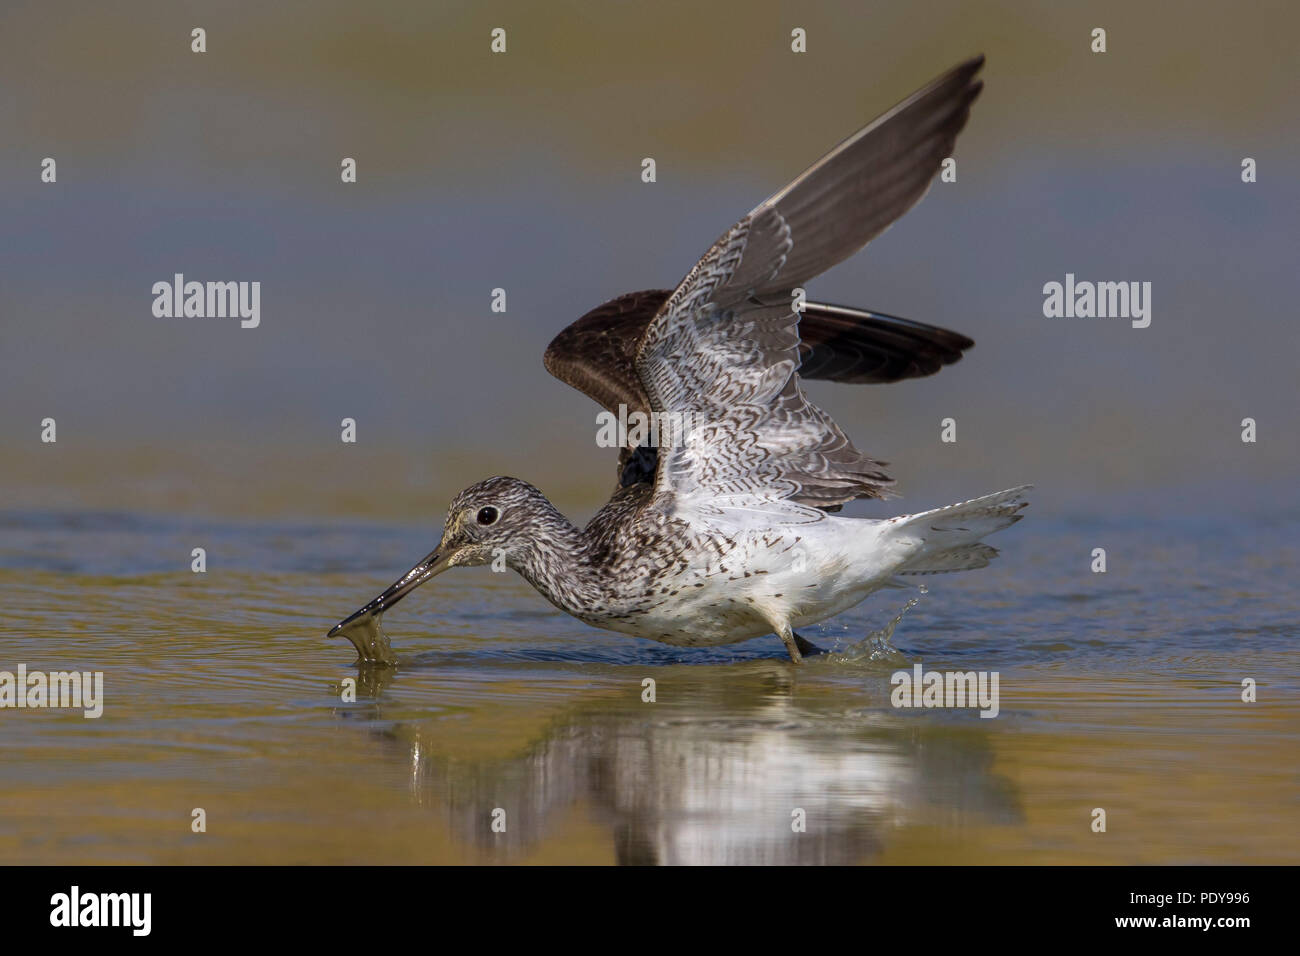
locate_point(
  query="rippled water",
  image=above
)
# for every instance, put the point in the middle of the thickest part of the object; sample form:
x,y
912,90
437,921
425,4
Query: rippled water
x,y
1119,690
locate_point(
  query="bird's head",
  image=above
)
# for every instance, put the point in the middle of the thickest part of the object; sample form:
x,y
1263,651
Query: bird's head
x,y
494,519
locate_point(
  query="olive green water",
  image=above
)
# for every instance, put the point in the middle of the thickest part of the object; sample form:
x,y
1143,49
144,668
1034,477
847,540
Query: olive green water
x,y
221,693
1119,691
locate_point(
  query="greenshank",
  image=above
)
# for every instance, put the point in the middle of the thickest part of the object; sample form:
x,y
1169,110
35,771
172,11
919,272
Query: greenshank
x,y
726,527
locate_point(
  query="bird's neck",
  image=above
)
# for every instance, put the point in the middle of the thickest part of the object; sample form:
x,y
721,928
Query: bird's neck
x,y
556,563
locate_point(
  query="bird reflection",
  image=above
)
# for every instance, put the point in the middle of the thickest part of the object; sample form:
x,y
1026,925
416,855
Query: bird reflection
x,y
734,775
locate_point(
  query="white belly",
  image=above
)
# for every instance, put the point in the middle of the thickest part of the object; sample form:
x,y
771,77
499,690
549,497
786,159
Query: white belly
x,y
799,574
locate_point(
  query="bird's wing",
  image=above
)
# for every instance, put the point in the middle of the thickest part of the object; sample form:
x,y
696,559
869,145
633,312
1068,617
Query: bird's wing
x,y
597,356
597,353
860,347
722,353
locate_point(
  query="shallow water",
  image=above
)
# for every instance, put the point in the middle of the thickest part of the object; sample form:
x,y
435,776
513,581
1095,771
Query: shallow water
x,y
1118,690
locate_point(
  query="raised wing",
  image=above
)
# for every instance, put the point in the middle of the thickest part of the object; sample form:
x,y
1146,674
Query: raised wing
x,y
855,346
597,353
747,431
849,196
724,349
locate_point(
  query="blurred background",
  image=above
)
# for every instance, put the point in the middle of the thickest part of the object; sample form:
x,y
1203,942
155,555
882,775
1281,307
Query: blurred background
x,y
522,171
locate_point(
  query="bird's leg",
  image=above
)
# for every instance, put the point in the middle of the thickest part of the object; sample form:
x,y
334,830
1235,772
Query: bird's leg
x,y
806,648
791,642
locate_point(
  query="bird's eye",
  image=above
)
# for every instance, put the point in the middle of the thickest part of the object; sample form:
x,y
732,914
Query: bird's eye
x,y
488,515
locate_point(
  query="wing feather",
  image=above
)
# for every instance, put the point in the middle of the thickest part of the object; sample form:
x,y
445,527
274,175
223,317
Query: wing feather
x,y
597,353
724,349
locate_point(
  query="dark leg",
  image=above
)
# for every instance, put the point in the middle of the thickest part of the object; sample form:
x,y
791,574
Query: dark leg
x,y
806,648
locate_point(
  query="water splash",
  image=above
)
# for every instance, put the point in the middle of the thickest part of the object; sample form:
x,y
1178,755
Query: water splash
x,y
879,644
370,641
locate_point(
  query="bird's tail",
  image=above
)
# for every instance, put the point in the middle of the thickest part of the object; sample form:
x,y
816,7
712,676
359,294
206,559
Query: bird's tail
x,y
950,537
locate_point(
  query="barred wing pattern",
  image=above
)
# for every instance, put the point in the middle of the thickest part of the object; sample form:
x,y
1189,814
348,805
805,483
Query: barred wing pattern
x,y
752,433
724,347
596,354
853,193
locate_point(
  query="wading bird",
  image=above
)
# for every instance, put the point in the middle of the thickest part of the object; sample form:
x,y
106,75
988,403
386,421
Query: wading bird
x,y
729,531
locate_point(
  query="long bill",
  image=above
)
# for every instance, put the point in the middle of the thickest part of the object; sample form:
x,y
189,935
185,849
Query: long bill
x,y
433,564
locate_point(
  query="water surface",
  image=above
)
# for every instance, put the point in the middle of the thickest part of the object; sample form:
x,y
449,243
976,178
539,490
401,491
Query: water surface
x,y
1118,690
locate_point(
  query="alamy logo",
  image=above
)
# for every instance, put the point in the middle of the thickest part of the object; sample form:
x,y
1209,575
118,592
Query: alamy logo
x,y
919,688
633,429
57,689
1102,300
103,909
209,300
